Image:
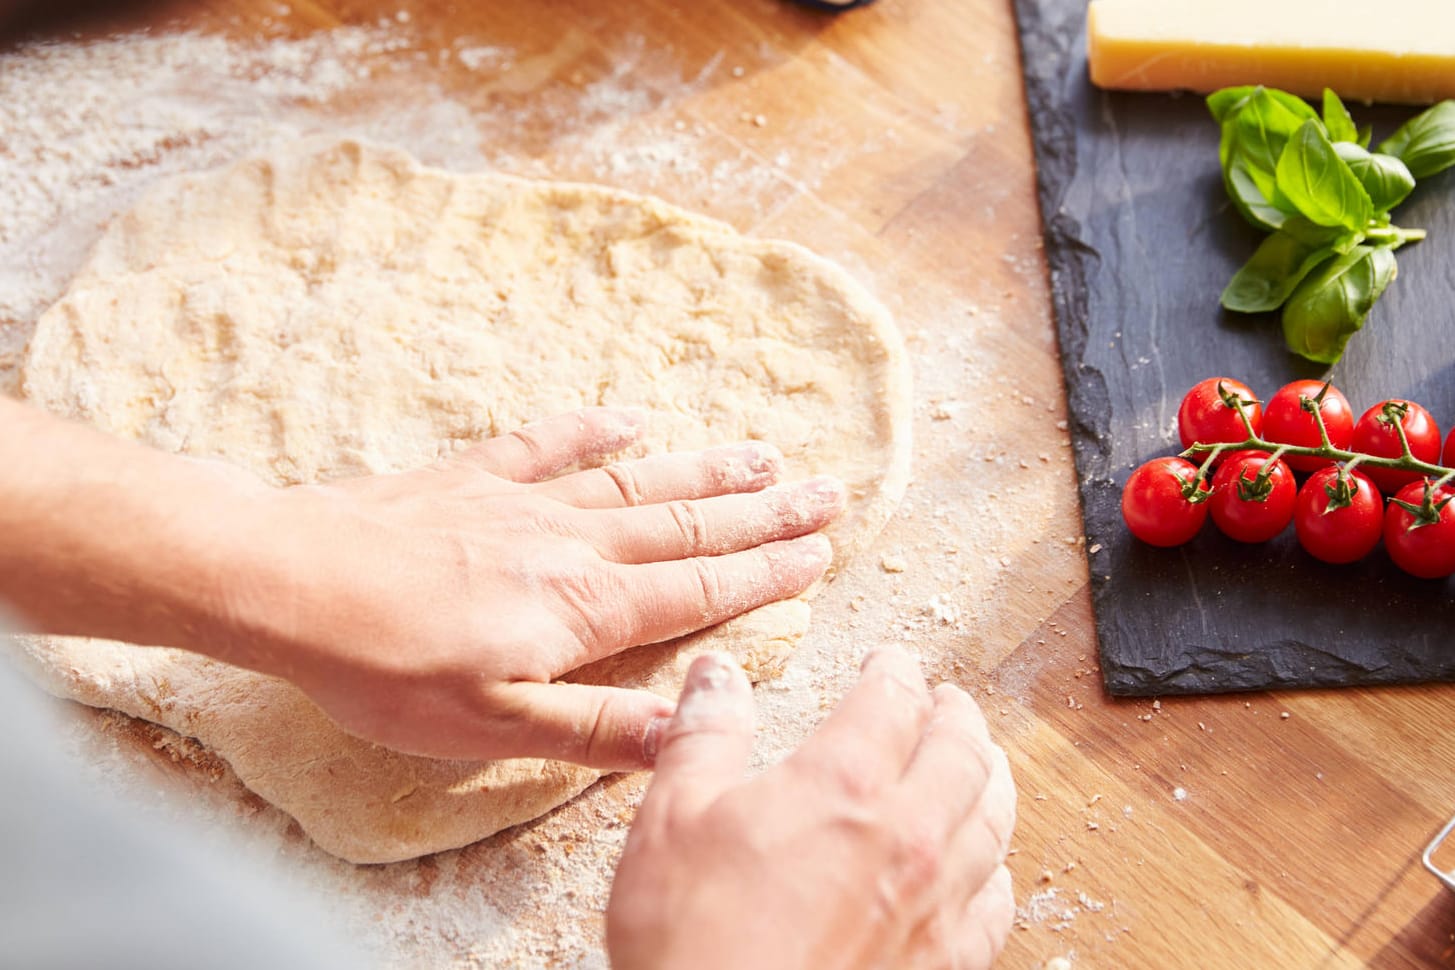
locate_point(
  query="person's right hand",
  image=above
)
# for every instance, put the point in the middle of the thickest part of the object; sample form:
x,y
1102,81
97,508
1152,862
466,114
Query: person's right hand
x,y
433,611
878,844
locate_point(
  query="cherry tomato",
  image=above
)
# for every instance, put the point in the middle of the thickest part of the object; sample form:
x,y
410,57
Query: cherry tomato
x,y
1338,525
1449,460
1206,418
1246,509
1375,434
1161,504
1423,547
1286,422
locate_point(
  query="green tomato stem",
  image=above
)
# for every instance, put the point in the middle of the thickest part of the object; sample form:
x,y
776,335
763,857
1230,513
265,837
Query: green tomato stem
x,y
1397,419
1405,463
1318,413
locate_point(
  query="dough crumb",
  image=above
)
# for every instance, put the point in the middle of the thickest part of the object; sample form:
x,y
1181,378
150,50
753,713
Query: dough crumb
x,y
892,564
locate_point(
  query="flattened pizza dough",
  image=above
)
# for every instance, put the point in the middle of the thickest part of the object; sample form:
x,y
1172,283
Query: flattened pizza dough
x,y
338,310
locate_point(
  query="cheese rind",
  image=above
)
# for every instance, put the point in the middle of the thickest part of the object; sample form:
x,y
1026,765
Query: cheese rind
x,y
1405,53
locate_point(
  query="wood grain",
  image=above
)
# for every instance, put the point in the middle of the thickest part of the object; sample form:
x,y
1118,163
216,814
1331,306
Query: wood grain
x,y
1193,833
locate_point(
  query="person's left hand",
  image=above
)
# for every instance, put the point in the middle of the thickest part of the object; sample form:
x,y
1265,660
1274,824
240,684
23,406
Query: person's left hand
x,y
880,842
433,611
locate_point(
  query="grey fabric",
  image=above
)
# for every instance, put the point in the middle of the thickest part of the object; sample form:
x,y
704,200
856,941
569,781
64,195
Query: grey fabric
x,y
89,882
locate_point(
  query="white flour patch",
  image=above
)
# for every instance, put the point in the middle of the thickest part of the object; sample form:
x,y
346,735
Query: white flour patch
x,y
87,127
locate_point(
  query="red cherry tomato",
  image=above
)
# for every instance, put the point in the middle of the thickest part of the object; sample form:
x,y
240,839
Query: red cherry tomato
x,y
1205,417
1449,460
1161,504
1375,434
1338,524
1421,545
1286,422
1246,509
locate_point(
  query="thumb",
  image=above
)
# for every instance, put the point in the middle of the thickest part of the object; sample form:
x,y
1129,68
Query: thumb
x,y
703,750
601,727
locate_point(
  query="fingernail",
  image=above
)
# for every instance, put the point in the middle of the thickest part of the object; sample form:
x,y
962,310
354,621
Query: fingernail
x,y
825,491
869,657
706,695
620,426
652,740
633,419
761,457
711,671
874,654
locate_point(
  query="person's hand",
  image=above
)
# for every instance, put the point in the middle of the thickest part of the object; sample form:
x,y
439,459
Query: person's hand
x,y
431,611
878,844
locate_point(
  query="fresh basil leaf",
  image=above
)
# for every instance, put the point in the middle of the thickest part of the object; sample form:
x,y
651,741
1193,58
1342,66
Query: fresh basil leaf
x,y
1253,138
1314,178
1270,277
1222,103
1248,197
1387,179
1337,120
1228,100
1292,103
1425,143
1330,305
1366,135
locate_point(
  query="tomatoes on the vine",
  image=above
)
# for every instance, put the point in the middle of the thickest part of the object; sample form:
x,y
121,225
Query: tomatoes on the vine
x,y
1164,502
1207,415
1288,420
1253,497
1419,530
1340,514
1338,518
1376,434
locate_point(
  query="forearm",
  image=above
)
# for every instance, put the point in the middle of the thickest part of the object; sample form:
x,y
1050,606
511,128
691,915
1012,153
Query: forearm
x,y
104,537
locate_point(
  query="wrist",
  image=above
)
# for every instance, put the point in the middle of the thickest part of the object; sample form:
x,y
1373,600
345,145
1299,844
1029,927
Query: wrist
x,y
111,539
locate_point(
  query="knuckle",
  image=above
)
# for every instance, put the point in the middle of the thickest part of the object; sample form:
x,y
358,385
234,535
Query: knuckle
x,y
980,761
624,478
853,783
592,596
996,823
918,859
598,745
710,585
529,441
690,523
906,689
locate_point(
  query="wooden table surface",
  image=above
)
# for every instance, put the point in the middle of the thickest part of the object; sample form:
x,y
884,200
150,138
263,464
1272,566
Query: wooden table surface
x,y
1237,831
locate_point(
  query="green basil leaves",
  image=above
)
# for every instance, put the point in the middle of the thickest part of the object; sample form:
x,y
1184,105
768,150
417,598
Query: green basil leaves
x,y
1256,129
1319,183
1425,143
1330,306
1310,180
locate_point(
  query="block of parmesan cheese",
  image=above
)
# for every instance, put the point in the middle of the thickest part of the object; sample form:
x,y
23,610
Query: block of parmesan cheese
x,y
1366,50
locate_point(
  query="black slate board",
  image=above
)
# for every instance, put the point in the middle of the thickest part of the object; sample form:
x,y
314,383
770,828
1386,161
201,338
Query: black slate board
x,y
1141,239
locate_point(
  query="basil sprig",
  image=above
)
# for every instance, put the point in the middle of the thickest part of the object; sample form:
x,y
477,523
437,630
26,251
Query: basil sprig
x,y
1310,179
